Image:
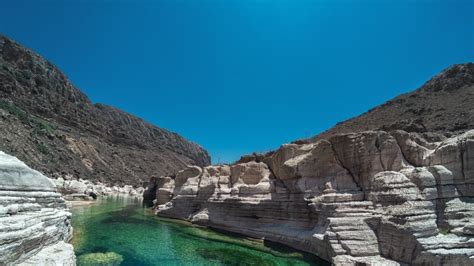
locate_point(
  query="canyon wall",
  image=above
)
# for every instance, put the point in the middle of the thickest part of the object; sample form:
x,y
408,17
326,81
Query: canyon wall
x,y
373,197
52,126
35,223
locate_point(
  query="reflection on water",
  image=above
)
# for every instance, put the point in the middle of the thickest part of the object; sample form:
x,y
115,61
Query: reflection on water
x,y
120,231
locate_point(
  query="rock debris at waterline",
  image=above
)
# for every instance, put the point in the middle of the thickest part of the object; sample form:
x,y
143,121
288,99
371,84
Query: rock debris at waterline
x,y
373,197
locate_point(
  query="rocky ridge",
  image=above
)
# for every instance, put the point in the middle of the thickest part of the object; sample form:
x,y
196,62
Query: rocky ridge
x,y
34,220
52,126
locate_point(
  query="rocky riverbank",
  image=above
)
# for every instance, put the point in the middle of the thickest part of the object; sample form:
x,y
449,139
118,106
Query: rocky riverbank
x,y
372,197
34,220
35,223
52,126
84,190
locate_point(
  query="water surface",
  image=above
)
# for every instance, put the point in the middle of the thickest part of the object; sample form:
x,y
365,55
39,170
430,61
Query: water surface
x,y
122,228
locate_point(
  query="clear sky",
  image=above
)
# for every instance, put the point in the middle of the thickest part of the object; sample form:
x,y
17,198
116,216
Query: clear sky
x,y
238,76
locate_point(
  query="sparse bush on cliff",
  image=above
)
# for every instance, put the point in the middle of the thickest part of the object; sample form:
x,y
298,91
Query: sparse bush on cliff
x,y
40,125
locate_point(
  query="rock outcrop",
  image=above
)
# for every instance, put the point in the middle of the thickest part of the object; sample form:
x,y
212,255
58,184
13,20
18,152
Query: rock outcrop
x,y
34,220
373,197
52,126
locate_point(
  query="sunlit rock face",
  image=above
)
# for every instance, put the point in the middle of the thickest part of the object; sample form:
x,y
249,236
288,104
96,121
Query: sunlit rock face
x,y
373,197
34,221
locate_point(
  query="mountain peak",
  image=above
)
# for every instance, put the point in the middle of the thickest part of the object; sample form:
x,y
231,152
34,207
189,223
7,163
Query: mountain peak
x,y
452,78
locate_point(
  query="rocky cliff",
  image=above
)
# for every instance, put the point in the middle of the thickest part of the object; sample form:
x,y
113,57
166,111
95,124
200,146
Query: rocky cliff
x,y
34,221
379,197
53,127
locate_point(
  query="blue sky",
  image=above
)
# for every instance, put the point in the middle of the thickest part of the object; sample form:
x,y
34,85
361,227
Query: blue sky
x,y
238,76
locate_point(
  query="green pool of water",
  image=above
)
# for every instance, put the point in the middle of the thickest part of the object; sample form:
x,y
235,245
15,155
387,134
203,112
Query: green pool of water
x,y
120,231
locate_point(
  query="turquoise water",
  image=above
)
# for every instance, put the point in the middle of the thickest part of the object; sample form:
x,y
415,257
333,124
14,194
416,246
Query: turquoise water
x,y
119,231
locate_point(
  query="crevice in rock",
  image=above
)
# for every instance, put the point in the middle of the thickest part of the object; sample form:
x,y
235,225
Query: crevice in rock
x,y
199,182
462,150
377,145
402,152
336,156
277,181
374,225
439,202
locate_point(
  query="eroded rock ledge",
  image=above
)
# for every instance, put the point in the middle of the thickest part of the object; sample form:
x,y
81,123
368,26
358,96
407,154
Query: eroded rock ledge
x,y
34,221
372,197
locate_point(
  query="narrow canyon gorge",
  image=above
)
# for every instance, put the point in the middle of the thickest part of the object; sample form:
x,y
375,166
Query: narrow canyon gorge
x,y
393,186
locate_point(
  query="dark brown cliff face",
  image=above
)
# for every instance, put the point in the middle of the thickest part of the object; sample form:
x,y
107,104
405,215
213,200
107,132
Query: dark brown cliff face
x,y
444,104
53,127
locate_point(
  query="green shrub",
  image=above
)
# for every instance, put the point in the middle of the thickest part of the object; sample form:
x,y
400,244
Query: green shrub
x,y
40,125
12,109
44,126
42,148
444,231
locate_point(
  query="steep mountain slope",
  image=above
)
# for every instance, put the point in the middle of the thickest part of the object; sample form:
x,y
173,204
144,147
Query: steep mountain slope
x,y
444,104
53,127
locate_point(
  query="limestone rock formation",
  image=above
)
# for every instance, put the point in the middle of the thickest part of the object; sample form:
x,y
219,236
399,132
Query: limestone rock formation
x,y
373,197
52,126
34,221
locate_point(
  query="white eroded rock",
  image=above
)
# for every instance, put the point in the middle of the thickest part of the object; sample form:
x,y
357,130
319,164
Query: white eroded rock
x,y
373,197
34,220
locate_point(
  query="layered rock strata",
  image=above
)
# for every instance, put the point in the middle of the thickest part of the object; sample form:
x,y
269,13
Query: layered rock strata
x,y
34,220
373,197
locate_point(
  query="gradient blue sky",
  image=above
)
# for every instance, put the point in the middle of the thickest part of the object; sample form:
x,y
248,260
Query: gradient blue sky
x,y
242,76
